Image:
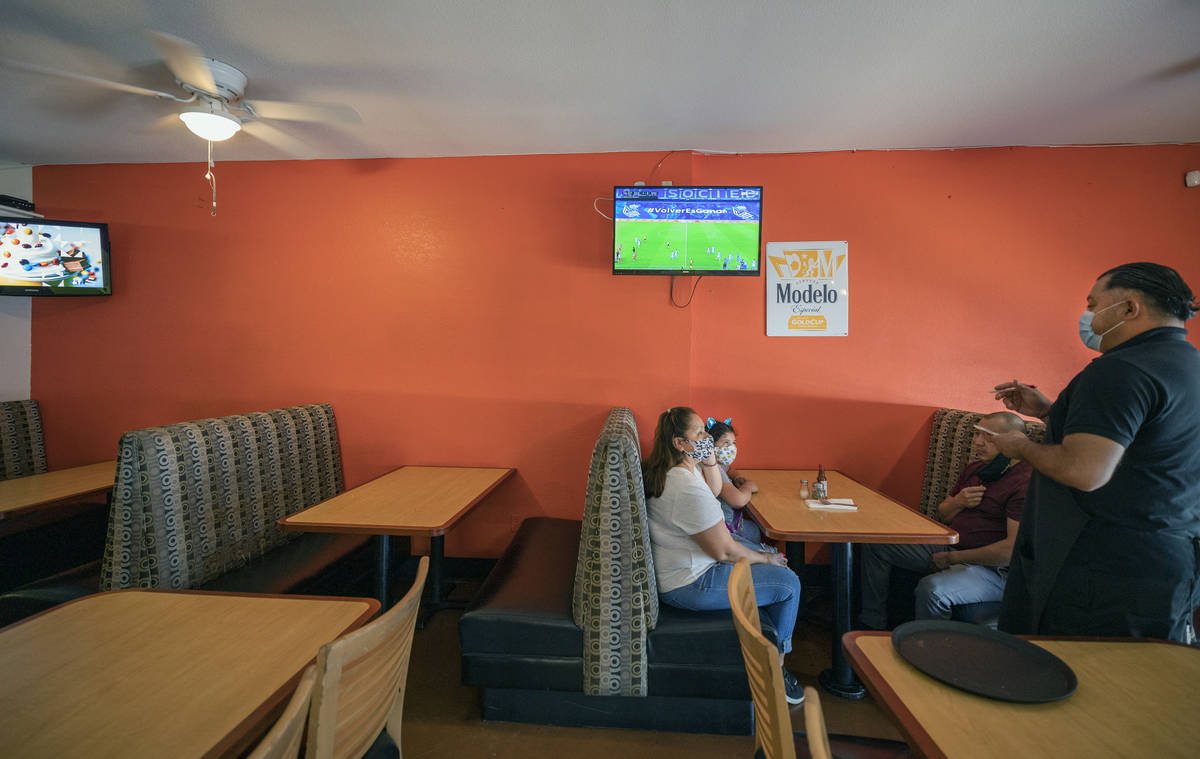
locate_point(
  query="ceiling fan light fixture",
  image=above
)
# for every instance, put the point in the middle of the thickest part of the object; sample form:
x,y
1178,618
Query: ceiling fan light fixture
x,y
212,123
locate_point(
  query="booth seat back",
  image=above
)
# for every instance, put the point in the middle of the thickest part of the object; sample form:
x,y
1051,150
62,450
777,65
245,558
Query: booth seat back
x,y
615,596
196,499
950,451
22,446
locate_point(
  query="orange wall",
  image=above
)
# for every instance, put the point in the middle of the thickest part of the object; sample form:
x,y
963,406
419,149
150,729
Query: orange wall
x,y
461,310
967,268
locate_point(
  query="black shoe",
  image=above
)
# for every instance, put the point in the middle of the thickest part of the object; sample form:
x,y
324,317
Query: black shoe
x,y
793,690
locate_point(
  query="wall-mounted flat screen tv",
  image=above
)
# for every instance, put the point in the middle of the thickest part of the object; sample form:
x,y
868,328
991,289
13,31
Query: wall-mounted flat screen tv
x,y
687,230
56,258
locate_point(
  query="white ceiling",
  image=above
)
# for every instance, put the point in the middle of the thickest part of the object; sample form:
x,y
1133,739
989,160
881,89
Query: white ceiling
x,y
479,77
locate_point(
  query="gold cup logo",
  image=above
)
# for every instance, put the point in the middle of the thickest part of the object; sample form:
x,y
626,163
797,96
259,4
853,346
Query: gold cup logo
x,y
808,321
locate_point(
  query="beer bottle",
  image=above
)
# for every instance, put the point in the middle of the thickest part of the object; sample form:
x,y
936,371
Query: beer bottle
x,y
821,486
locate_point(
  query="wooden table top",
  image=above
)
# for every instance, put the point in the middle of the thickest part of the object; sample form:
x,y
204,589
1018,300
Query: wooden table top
x,y
412,500
138,673
778,508
1135,698
24,494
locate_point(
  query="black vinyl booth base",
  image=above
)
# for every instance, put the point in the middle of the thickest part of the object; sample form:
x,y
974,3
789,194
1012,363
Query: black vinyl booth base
x,y
661,713
520,645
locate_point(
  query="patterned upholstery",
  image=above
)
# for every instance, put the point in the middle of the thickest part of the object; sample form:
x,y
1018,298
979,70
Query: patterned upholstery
x,y
950,450
196,499
22,446
615,598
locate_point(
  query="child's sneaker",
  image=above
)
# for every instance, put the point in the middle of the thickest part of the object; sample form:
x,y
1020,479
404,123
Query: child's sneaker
x,y
792,688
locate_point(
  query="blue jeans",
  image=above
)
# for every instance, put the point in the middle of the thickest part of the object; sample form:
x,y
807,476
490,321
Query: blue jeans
x,y
776,588
937,592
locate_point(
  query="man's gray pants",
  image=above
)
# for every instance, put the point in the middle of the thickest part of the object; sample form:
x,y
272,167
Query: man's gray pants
x,y
936,593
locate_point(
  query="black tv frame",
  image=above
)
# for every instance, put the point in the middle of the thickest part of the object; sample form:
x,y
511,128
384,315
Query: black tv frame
x,y
37,290
680,272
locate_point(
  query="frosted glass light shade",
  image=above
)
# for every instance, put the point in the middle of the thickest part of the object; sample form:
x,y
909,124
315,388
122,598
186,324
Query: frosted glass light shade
x,y
211,126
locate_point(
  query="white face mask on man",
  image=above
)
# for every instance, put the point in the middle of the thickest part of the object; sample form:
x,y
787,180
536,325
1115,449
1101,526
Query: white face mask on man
x,y
1087,334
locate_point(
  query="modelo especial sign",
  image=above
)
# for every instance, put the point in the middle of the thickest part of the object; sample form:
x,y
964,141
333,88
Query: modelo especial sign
x,y
808,289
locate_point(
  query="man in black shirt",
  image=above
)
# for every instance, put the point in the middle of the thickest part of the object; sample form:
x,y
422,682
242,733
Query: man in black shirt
x,y
1109,542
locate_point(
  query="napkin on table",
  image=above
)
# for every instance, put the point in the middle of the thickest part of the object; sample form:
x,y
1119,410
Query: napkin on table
x,y
835,504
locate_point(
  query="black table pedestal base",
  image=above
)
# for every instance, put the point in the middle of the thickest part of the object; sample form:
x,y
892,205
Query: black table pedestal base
x,y
839,679
851,691
435,583
383,563
437,597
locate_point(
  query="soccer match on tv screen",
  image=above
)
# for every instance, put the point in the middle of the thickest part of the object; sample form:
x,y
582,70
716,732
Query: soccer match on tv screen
x,y
685,230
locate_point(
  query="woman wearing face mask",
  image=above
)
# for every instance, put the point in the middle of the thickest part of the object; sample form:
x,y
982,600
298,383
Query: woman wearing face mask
x,y
735,491
693,550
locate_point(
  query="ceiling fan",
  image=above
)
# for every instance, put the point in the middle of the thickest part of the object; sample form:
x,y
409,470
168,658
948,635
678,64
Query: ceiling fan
x,y
214,91
217,109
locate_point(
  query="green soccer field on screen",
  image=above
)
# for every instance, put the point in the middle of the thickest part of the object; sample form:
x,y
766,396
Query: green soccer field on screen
x,y
694,246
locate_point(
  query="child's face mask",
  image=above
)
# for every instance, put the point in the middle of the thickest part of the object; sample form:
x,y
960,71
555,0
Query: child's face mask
x,y
726,454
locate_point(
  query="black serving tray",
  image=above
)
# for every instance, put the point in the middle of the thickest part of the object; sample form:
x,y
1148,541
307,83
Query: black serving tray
x,y
983,661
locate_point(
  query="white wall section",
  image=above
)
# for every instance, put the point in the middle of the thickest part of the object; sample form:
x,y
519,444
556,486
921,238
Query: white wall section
x,y
15,319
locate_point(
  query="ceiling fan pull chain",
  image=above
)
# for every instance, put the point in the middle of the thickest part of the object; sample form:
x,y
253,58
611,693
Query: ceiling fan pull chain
x,y
212,179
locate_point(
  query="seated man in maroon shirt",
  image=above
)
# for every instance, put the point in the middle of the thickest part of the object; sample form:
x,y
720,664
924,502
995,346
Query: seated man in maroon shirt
x,y
984,507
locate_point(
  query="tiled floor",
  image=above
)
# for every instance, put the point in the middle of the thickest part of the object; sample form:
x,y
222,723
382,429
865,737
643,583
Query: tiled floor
x,y
441,717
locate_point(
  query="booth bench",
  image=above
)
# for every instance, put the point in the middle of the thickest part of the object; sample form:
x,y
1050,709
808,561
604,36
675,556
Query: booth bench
x,y
567,628
195,506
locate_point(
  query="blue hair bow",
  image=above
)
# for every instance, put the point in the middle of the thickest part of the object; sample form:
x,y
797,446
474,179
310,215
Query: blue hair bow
x,y
708,425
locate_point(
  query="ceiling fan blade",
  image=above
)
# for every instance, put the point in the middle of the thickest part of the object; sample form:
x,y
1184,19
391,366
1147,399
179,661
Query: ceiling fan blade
x,y
121,86
1190,66
322,112
278,139
185,60
163,122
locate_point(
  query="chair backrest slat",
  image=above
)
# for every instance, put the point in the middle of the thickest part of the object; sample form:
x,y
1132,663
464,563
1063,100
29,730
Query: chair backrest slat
x,y
814,726
361,681
283,740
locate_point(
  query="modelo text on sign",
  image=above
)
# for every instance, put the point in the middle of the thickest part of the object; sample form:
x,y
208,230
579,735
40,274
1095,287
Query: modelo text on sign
x,y
785,293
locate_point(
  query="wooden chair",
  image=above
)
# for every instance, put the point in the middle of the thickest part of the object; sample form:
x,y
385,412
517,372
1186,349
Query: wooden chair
x,y
283,740
360,681
773,736
772,721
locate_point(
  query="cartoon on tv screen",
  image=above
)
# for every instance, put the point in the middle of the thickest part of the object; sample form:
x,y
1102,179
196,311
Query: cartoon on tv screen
x,y
50,255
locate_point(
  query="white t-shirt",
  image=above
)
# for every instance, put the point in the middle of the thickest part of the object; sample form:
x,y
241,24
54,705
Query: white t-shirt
x,y
686,507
